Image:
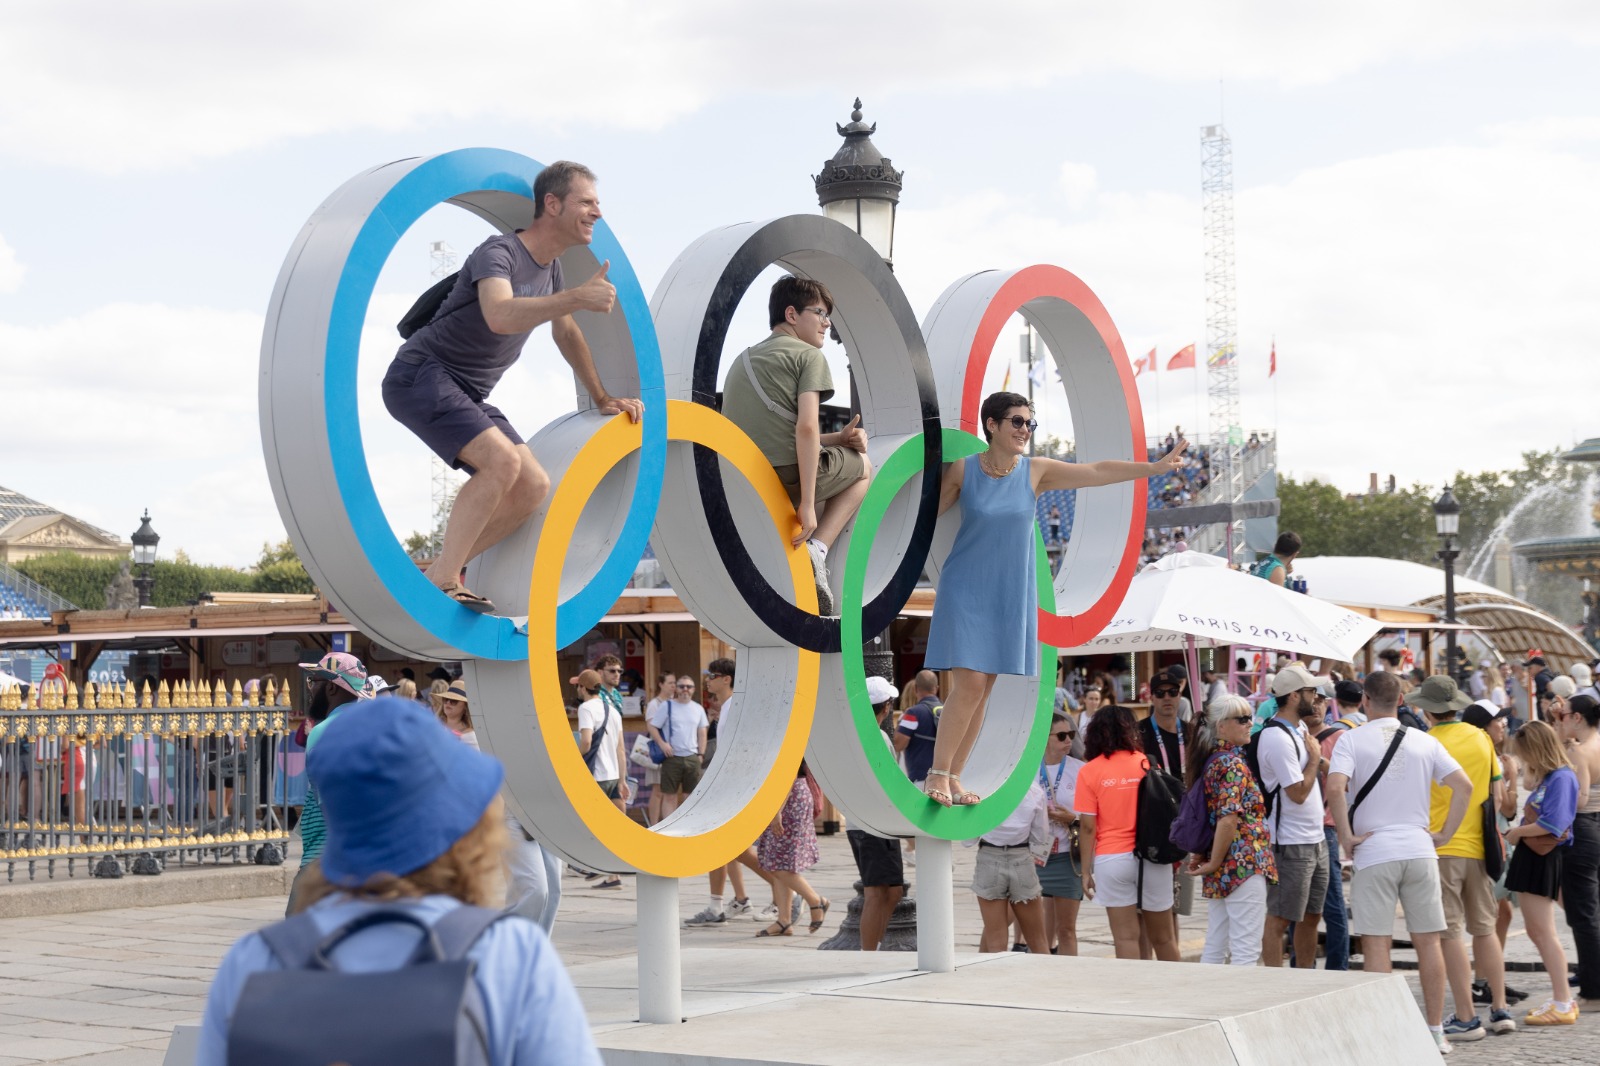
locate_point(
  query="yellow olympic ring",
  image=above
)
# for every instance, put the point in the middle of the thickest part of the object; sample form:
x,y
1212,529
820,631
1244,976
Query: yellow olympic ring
x,y
659,851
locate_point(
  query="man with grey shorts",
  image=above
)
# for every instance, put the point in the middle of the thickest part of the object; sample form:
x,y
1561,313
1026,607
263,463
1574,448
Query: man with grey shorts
x,y
1388,837
1290,761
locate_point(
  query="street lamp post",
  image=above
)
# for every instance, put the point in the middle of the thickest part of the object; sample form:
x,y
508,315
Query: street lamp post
x,y
1447,522
145,540
860,187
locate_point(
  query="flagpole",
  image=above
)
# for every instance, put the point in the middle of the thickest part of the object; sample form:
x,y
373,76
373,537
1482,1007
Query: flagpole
x,y
1275,390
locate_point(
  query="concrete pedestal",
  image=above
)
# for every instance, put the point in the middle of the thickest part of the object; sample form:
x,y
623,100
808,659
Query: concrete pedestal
x,y
753,1007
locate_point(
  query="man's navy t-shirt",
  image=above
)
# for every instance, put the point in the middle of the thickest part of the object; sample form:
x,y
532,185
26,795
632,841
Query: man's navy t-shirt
x,y
920,722
459,338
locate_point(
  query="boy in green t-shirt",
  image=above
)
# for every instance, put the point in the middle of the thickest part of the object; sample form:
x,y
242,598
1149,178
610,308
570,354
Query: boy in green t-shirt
x,y
774,392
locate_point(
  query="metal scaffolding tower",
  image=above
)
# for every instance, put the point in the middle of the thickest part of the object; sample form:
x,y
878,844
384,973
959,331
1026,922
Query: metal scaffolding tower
x,y
446,482
1222,364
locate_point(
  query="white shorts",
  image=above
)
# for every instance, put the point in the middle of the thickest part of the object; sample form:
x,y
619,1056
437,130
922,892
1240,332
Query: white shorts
x,y
1116,882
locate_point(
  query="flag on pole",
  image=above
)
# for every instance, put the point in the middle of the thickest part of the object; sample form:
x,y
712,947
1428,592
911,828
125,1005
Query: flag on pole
x,y
1184,360
1036,373
1147,363
1221,357
1272,360
1005,386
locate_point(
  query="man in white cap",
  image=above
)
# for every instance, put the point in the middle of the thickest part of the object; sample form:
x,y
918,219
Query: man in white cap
x,y
878,859
1290,761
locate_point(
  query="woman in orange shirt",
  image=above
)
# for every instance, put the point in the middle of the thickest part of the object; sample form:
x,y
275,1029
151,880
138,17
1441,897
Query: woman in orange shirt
x,y
1107,801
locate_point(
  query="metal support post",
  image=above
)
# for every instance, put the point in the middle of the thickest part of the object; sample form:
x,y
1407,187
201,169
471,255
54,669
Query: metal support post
x,y
660,964
936,906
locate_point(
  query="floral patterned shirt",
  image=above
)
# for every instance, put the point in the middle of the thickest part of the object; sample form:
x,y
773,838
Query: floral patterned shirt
x,y
1232,789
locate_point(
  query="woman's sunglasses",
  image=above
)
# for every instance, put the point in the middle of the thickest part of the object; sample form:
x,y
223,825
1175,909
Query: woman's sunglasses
x,y
1018,422
1065,736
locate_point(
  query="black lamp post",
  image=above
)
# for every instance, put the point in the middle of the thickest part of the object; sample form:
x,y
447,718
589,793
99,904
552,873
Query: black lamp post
x,y
1447,522
145,540
860,187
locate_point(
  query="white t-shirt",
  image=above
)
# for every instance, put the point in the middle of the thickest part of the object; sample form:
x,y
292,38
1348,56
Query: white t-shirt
x,y
687,719
1025,825
1060,781
590,714
724,717
1283,760
1396,812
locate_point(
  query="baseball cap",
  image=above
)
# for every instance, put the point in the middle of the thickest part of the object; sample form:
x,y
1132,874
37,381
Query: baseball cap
x,y
1348,692
1535,658
439,673
344,670
1482,712
397,789
1293,678
880,690
1439,694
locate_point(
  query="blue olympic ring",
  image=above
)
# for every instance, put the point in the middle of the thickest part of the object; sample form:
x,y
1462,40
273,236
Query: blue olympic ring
x,y
433,182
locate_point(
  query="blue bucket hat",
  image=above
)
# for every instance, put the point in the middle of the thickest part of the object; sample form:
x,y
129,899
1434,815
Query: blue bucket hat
x,y
397,789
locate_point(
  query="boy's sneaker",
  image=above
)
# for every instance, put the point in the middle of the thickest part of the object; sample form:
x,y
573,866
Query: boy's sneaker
x,y
739,908
1515,995
1501,1022
1443,1044
1481,993
1460,1031
707,917
819,569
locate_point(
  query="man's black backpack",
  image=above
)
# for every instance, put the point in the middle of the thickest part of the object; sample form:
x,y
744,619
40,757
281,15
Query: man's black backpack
x,y
427,306
310,1013
1252,758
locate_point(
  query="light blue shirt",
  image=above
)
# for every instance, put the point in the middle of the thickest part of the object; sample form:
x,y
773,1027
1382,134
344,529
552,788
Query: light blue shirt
x,y
534,1014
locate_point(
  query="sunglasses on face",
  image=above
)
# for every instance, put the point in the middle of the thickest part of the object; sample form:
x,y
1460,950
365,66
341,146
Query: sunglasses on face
x,y
1163,693
1065,736
1239,718
686,688
1018,422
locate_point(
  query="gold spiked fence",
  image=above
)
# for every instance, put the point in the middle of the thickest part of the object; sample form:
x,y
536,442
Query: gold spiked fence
x,y
185,774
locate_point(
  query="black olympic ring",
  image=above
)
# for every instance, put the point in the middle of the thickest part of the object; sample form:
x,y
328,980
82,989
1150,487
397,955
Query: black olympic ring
x,y
815,247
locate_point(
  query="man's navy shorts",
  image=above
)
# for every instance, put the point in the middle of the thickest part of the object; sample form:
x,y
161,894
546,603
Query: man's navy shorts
x,y
430,403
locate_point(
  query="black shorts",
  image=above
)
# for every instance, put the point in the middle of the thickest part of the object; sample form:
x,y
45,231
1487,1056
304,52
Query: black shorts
x,y
430,403
877,859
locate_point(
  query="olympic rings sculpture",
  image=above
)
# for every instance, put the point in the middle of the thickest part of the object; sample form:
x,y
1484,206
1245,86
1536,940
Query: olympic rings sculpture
x,y
801,687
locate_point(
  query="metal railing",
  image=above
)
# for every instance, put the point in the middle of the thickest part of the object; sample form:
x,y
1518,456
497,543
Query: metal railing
x,y
114,779
33,590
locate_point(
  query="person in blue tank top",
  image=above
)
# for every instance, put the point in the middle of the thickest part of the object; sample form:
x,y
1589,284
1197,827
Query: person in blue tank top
x,y
985,617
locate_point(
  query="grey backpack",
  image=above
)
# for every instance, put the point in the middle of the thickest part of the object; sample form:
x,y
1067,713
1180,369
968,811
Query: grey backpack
x,y
310,1013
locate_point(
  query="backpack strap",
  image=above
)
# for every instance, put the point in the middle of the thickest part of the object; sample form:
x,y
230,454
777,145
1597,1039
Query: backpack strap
x,y
1388,757
293,941
767,401
457,931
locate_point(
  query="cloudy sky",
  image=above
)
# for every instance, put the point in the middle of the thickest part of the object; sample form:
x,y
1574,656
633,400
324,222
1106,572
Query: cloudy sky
x,y
1417,224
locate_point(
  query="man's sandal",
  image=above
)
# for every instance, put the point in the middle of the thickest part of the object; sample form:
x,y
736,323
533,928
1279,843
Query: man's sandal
x,y
784,929
467,598
940,796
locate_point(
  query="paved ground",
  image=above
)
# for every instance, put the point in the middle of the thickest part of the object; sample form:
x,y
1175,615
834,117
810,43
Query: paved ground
x,y
107,986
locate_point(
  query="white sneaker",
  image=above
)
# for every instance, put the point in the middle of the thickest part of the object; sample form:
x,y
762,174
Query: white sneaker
x,y
819,569
768,915
1442,1043
795,907
738,908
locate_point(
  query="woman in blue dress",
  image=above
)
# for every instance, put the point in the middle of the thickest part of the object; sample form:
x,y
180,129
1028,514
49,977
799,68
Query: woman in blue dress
x,y
985,616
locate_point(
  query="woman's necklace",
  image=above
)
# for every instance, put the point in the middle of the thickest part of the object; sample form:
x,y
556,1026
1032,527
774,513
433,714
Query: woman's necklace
x,y
988,466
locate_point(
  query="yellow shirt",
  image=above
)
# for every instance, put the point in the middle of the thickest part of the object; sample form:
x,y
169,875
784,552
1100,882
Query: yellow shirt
x,y
1472,748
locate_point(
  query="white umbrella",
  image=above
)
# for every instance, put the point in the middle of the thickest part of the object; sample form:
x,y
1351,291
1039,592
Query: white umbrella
x,y
10,680
1189,597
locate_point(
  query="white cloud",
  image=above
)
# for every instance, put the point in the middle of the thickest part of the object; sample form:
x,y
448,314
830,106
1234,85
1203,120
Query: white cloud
x,y
11,268
1078,183
1411,294
76,85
